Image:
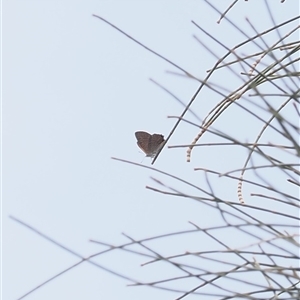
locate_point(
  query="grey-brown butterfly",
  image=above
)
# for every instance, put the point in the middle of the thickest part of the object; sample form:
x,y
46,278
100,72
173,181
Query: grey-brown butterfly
x,y
150,144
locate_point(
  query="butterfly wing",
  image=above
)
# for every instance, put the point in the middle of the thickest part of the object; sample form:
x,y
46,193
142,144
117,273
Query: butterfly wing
x,y
156,143
143,141
148,143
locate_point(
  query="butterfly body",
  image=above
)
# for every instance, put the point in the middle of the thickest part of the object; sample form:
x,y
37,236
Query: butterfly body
x,y
149,143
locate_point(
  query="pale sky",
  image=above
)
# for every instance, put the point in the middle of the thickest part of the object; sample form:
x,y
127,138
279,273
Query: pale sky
x,y
74,91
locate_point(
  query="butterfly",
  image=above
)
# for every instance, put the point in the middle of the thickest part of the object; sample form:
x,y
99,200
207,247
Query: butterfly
x,y
150,144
